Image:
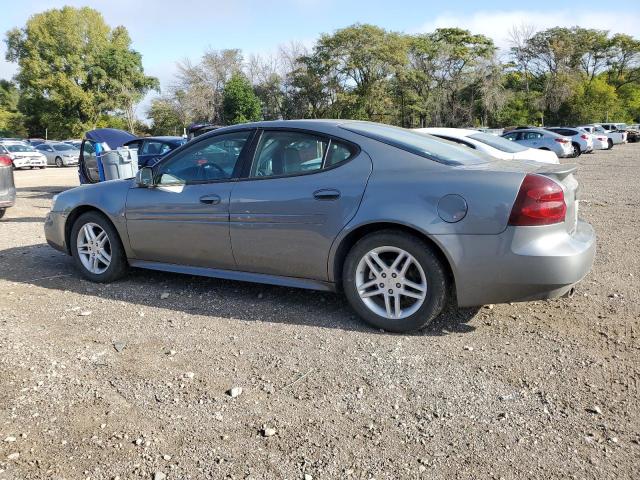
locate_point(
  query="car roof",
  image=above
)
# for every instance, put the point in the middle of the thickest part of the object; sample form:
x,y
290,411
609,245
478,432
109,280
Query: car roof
x,y
453,132
13,142
162,138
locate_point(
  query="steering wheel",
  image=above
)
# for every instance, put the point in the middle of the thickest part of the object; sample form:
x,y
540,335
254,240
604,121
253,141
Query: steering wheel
x,y
217,167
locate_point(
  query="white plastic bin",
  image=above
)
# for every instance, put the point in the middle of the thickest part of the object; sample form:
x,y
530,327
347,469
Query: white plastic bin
x,y
119,163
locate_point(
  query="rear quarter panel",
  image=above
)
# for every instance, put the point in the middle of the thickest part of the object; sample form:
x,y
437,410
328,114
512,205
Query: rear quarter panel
x,y
406,189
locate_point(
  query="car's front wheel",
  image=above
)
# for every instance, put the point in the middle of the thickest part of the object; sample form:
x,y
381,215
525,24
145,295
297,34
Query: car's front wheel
x,y
395,281
97,249
59,162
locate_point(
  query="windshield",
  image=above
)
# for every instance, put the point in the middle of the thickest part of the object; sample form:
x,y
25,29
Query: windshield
x,y
498,142
19,148
421,144
63,147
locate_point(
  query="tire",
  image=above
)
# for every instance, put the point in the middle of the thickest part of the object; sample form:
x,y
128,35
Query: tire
x,y
576,150
59,162
43,167
2,212
117,267
425,270
609,144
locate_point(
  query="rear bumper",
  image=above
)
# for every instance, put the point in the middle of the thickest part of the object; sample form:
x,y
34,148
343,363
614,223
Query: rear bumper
x,y
521,264
54,225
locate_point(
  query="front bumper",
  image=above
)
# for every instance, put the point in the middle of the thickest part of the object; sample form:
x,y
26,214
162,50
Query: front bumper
x,y
54,226
29,162
68,162
521,264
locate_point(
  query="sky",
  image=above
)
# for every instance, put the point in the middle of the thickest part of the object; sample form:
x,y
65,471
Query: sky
x,y
167,31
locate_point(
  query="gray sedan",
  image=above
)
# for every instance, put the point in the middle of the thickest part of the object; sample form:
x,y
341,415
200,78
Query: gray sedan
x,y
59,154
401,222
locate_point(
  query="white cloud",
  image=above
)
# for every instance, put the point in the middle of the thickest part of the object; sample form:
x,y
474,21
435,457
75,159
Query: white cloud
x,y
497,24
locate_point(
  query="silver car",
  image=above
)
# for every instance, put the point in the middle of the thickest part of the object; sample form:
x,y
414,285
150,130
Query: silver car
x,y
401,222
59,154
542,139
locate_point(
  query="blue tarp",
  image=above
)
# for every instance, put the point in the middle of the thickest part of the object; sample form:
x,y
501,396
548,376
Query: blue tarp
x,y
111,136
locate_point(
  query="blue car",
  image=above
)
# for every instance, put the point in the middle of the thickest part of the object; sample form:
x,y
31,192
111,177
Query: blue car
x,y
152,149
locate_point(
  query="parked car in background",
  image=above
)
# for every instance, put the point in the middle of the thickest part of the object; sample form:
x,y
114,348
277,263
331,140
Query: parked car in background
x,y
633,135
23,155
599,140
35,141
152,149
59,154
542,139
490,144
400,221
615,138
7,187
582,142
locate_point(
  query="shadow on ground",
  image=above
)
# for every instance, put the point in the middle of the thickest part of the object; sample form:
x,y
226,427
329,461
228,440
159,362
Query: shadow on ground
x,y
39,265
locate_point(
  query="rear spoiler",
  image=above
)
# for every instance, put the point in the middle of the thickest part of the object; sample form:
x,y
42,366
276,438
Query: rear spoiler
x,y
557,170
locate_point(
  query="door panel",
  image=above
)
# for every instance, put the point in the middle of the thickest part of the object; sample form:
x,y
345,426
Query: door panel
x,y
285,226
177,224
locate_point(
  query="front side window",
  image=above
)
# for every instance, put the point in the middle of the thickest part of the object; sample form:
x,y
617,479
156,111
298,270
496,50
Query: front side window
x,y
209,160
154,148
89,161
289,153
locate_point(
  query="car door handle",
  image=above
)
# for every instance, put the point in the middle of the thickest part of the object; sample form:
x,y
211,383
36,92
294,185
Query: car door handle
x,y
210,199
326,194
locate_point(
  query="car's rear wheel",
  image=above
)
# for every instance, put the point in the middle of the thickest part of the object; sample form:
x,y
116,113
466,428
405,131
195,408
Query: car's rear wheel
x,y
609,144
576,150
395,281
59,162
97,249
2,212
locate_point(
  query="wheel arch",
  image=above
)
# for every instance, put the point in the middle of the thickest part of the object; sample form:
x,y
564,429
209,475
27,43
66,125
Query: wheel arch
x,y
75,214
347,241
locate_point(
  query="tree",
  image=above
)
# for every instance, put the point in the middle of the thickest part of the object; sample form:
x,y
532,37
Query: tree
x,y
73,68
240,104
11,121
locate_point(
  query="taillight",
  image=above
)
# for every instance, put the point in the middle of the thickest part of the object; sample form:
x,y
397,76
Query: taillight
x,y
5,161
540,201
584,137
561,140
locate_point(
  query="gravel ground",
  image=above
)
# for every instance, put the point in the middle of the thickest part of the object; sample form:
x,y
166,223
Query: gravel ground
x,y
133,379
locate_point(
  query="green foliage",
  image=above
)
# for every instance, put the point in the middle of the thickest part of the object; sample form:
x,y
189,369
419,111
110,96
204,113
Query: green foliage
x,y
73,69
239,103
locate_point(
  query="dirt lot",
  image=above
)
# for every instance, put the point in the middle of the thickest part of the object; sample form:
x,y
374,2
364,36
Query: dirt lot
x,y
536,390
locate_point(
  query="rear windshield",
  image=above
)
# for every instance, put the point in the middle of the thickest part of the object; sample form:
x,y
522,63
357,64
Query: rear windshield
x,y
499,143
426,146
19,148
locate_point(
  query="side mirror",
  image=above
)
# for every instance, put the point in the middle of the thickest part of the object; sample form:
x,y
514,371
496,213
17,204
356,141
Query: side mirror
x,y
144,177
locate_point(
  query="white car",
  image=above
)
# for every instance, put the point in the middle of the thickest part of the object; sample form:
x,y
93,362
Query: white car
x,y
23,155
497,147
582,142
600,141
615,137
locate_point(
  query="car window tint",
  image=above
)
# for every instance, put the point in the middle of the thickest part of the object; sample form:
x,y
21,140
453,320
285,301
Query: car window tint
x,y
152,148
338,152
212,159
288,153
90,162
499,143
532,135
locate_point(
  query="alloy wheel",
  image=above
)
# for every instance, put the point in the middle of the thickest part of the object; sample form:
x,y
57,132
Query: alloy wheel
x,y
94,248
391,282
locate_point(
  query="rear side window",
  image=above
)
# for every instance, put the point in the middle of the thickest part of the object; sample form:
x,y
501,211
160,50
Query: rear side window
x,y
426,146
294,153
532,135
